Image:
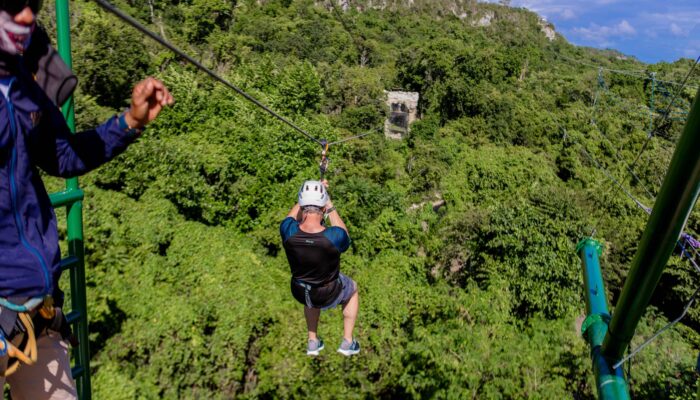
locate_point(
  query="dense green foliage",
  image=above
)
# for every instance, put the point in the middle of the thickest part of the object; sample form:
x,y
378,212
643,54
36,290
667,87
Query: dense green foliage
x,y
188,286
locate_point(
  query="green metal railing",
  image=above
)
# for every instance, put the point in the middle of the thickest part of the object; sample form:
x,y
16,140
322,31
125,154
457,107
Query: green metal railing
x,y
610,381
71,198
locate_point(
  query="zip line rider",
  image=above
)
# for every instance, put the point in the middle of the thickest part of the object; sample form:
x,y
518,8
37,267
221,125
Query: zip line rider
x,y
33,133
313,252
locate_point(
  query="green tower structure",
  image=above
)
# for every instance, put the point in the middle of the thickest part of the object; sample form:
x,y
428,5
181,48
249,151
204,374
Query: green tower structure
x,y
71,198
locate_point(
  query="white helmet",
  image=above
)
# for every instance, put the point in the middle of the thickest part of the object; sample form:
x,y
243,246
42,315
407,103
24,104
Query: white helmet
x,y
313,193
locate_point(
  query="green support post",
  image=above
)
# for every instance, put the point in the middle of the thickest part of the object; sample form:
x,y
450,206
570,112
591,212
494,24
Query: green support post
x,y
674,203
610,382
697,377
72,199
651,103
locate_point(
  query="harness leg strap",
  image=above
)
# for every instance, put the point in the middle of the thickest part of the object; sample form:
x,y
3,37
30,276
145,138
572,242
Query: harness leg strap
x,y
307,295
28,355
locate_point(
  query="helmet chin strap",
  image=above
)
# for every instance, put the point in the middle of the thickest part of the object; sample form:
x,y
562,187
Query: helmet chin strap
x,y
14,37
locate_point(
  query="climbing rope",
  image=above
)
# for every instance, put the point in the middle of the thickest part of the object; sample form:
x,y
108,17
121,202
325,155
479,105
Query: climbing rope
x,y
27,356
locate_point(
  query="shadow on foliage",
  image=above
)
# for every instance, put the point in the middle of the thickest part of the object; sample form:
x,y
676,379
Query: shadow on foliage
x,y
104,328
250,378
680,385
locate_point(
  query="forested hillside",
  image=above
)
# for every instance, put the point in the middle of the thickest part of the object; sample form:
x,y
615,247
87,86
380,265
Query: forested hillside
x,y
188,283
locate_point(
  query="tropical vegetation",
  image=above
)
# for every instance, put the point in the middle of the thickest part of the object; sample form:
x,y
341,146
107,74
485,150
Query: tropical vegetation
x,y
188,284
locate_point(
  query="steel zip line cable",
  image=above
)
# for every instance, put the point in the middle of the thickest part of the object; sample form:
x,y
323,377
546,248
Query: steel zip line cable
x,y
354,137
665,114
131,21
639,348
638,74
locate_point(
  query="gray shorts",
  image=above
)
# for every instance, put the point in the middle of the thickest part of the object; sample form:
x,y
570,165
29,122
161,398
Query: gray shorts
x,y
349,288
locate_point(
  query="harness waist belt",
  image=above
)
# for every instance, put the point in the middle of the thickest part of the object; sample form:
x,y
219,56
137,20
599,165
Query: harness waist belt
x,y
307,289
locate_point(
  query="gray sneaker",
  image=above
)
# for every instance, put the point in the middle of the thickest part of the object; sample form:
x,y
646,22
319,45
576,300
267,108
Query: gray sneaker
x,y
314,347
349,348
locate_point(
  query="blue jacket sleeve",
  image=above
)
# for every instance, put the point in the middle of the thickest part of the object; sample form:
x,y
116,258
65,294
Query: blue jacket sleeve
x,y
288,228
339,238
60,153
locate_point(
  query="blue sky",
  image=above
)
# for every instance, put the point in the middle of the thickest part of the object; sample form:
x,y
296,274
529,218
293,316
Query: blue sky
x,y
650,30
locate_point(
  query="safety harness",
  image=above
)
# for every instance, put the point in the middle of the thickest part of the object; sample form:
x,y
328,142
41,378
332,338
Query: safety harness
x,y
25,323
308,287
307,292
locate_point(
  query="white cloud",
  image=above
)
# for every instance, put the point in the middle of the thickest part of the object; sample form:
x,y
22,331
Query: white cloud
x,y
666,28
624,28
568,14
602,35
677,30
681,17
671,24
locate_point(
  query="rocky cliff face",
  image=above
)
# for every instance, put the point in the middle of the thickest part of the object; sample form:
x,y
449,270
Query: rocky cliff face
x,y
471,11
457,7
548,29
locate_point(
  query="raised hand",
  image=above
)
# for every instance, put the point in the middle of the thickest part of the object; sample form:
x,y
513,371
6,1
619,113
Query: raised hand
x,y
147,100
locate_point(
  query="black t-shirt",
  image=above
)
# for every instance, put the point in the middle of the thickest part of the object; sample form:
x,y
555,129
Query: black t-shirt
x,y
314,259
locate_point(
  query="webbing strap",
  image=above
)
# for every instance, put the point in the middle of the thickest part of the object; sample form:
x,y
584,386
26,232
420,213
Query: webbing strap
x,y
307,292
27,356
28,306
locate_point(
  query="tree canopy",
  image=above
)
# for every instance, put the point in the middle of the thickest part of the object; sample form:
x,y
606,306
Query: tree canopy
x,y
188,286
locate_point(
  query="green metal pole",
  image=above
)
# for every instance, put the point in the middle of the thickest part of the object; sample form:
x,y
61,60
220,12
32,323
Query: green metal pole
x,y
75,226
697,376
610,382
651,103
674,203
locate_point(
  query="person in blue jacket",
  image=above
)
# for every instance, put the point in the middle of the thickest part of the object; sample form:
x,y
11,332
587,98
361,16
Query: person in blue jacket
x,y
313,252
33,136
